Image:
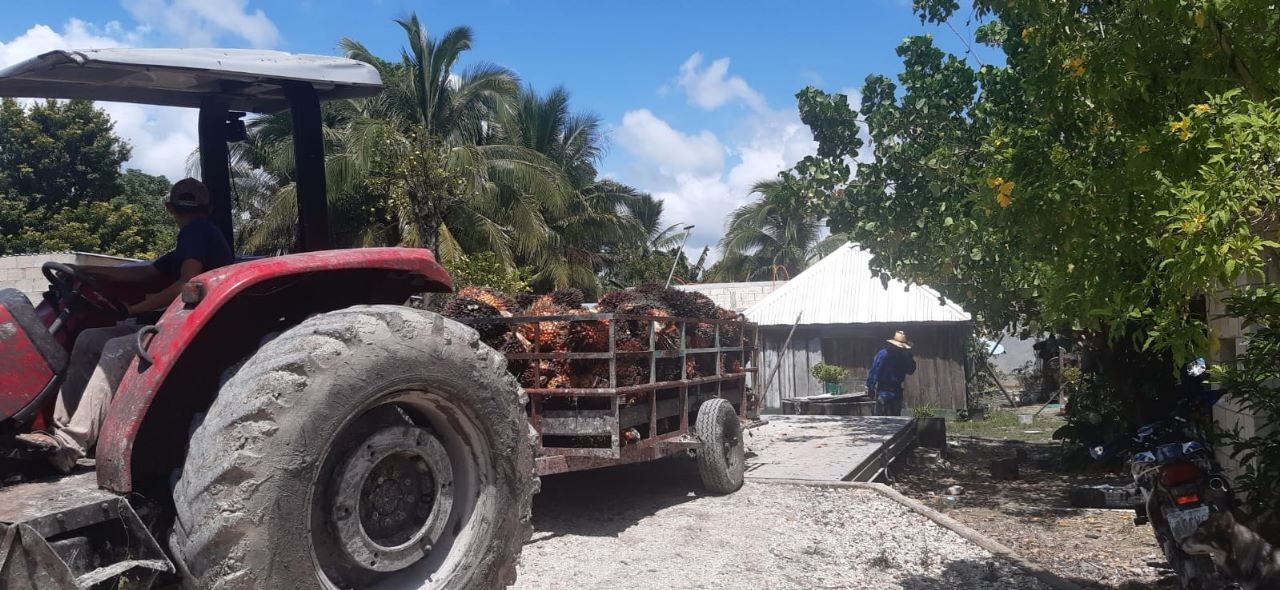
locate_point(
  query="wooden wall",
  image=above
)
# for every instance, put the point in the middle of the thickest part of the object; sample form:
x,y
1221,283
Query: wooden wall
x,y
939,351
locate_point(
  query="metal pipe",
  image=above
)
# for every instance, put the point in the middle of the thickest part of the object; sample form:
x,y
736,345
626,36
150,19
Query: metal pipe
x,y
308,156
214,158
676,258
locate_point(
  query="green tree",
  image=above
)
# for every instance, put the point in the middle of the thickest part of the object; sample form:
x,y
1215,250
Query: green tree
x,y
1118,165
145,193
61,187
113,228
427,107
595,220
487,270
775,236
59,153
650,258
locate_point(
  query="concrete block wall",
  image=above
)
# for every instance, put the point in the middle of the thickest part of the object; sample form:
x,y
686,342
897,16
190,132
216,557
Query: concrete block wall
x,y
22,272
735,296
1231,340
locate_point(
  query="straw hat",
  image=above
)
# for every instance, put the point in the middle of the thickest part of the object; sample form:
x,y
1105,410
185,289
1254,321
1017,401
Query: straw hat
x,y
900,340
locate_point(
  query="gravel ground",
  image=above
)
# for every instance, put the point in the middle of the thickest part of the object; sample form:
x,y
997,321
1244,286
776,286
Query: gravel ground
x,y
648,526
1094,548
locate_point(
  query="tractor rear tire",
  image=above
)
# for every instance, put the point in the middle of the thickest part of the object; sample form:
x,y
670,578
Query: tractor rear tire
x,y
366,445
722,457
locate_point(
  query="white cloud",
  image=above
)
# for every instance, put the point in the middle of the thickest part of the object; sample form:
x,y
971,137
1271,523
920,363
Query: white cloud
x,y
702,177
671,152
75,34
199,23
712,87
161,137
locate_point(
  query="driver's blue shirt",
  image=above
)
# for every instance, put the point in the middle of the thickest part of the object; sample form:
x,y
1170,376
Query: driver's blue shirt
x,y
198,240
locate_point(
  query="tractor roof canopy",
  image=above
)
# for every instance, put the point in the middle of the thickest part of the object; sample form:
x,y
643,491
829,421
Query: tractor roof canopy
x,y
224,84
247,79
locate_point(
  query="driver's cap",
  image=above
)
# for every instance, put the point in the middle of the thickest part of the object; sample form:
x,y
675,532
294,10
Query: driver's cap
x,y
188,193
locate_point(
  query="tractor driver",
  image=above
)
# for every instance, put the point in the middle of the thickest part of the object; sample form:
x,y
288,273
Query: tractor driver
x,y
101,355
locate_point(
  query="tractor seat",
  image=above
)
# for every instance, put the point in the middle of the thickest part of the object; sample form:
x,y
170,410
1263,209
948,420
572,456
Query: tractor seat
x,y
18,315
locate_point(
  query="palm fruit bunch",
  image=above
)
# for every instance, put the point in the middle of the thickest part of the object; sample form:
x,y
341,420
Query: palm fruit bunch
x,y
588,336
470,308
632,369
667,369
700,335
588,373
731,362
513,343
548,335
499,300
523,301
730,333
545,373
656,307
568,298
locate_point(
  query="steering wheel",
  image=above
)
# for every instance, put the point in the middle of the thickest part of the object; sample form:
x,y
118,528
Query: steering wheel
x,y
61,276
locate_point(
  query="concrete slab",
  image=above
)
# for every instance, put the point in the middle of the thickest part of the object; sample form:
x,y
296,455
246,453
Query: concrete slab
x,y
826,448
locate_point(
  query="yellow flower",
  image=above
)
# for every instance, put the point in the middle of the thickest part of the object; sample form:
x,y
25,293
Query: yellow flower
x,y
1201,19
1182,128
1143,148
1004,193
1070,267
1075,65
1202,108
1026,33
994,182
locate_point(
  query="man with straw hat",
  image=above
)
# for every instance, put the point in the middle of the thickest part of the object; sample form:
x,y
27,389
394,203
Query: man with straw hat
x,y
889,369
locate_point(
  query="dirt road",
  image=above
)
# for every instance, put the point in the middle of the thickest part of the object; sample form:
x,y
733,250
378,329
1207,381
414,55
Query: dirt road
x,y
648,526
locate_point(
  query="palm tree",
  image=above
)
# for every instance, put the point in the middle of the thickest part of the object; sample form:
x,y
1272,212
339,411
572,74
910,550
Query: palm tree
x,y
596,219
426,162
776,236
648,213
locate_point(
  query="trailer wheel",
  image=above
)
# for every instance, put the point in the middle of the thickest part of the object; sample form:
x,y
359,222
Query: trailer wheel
x,y
371,445
722,458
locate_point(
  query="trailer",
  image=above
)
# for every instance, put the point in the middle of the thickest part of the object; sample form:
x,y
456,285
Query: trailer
x,y
693,397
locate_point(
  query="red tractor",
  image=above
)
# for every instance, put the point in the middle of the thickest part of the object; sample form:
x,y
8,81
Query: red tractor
x,y
289,422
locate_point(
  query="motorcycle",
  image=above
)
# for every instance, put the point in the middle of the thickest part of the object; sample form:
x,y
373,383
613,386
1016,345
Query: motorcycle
x,y
1173,466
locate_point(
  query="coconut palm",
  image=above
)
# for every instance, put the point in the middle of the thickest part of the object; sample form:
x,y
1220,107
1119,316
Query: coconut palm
x,y
648,213
596,220
776,236
390,156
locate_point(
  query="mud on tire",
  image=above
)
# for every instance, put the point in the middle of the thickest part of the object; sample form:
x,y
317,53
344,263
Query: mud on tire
x,y
366,445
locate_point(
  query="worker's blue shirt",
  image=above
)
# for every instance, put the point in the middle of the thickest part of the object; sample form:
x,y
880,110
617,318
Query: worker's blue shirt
x,y
199,240
888,370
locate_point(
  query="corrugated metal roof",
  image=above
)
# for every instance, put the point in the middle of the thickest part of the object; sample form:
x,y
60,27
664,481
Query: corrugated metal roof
x,y
841,289
734,296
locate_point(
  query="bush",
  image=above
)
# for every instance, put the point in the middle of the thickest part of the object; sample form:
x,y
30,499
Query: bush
x,y
828,373
925,410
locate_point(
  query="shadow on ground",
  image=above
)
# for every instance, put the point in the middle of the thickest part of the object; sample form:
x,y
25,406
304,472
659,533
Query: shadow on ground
x,y
1099,549
985,574
606,502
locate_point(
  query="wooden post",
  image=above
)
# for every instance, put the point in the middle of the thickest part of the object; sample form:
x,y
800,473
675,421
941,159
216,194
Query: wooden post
x,y
992,372
764,393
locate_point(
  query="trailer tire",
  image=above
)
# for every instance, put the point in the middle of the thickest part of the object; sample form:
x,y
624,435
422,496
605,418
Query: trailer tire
x,y
369,444
722,458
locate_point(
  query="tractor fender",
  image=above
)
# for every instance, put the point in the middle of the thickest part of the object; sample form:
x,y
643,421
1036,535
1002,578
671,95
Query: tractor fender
x,y
177,374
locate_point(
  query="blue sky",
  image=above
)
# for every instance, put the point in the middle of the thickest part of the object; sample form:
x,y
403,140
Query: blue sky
x,y
698,96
